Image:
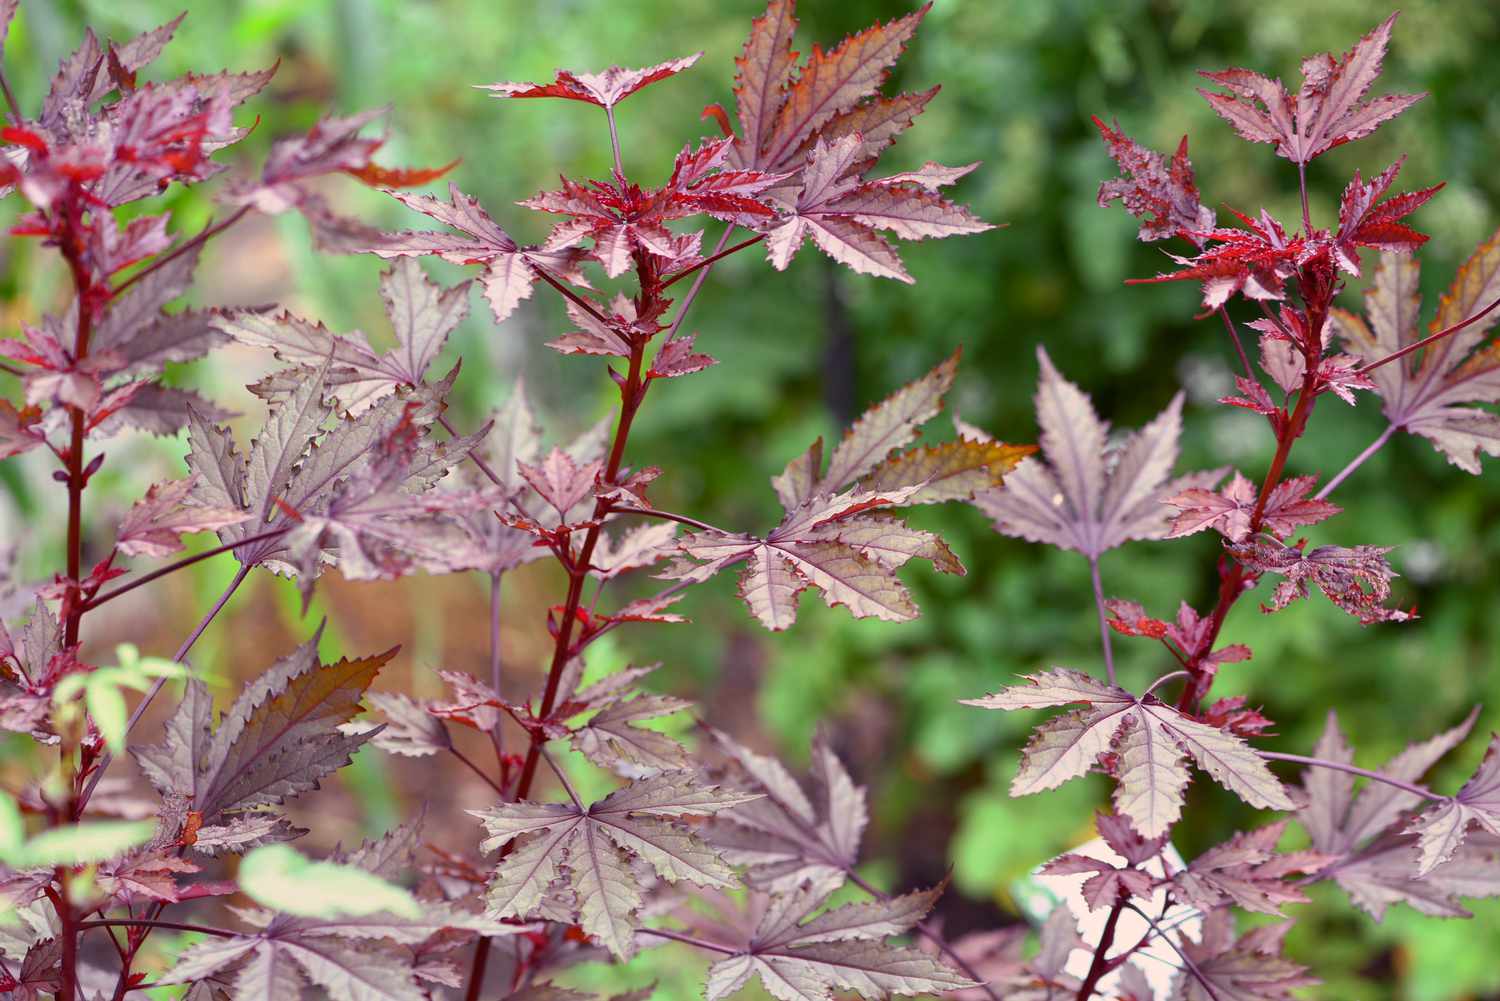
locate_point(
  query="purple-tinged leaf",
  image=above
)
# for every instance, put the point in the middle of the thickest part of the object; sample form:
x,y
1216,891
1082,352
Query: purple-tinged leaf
x,y
1142,742
1162,194
1329,109
605,89
155,524
1431,394
1072,497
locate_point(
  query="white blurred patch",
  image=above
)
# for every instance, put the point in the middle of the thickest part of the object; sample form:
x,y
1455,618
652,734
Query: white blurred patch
x,y
1038,894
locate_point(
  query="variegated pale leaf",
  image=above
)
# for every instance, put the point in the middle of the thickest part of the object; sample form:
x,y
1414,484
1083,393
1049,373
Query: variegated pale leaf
x,y
1074,497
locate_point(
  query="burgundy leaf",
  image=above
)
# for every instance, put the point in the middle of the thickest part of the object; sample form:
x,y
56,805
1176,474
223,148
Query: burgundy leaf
x,y
1329,110
1162,194
605,89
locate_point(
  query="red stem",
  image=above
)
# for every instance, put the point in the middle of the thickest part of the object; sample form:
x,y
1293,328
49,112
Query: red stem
x,y
1232,582
709,262
153,923
1100,966
632,392
186,561
206,234
1429,339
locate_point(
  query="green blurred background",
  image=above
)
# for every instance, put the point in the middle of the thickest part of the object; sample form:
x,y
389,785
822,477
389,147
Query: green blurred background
x,y
802,352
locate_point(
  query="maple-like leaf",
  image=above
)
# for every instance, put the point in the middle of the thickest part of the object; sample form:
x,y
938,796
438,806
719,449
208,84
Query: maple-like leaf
x,y
605,89
1248,968
578,859
1079,496
622,218
1106,884
1431,394
1327,111
19,429
332,145
783,107
1442,829
422,314
611,739
835,537
155,524
1379,865
1254,261
1161,193
1367,221
281,736
510,270
1248,872
800,954
345,485
1142,742
139,335
1356,579
1228,509
784,840
365,956
823,126
844,214
410,730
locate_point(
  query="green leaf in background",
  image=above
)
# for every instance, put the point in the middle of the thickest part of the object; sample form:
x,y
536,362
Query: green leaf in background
x,y
79,844
281,878
101,690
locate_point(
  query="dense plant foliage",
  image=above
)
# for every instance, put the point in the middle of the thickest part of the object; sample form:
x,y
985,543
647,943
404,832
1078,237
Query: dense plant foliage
x,y
359,468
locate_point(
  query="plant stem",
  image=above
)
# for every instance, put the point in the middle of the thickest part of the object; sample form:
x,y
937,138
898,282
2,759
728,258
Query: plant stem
x,y
484,467
692,293
153,923
1100,966
563,778
697,943
1234,336
573,297
497,662
1339,766
682,519
1232,582
1302,186
461,756
1429,339
10,97
160,683
207,233
1187,960
68,932
614,139
1104,640
632,392
188,561
1356,462
710,261
926,930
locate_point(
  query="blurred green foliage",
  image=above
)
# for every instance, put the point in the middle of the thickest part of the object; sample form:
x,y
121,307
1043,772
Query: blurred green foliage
x,y
1020,80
